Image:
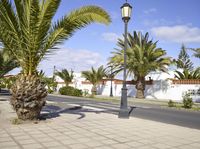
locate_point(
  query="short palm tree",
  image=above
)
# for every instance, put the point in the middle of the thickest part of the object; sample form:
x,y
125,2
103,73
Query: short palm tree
x,y
186,74
28,31
50,83
143,57
66,76
94,76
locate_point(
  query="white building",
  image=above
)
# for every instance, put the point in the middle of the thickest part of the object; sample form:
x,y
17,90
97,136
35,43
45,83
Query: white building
x,y
162,87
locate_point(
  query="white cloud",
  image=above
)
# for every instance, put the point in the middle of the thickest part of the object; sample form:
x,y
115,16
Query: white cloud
x,y
157,22
149,11
111,37
163,22
78,60
178,33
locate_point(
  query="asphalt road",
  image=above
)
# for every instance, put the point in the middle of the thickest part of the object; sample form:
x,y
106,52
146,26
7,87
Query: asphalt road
x,y
151,112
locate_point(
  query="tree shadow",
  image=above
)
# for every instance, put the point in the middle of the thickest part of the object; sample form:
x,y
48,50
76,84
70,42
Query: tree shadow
x,y
159,87
53,111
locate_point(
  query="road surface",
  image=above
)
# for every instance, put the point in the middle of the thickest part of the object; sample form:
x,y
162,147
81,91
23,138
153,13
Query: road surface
x,y
151,112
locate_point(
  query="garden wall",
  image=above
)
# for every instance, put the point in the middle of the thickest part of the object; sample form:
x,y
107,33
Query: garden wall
x,y
161,89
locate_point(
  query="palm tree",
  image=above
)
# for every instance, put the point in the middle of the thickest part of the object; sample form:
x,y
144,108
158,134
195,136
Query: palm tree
x,y
197,52
143,57
186,74
7,63
28,31
94,76
66,76
50,83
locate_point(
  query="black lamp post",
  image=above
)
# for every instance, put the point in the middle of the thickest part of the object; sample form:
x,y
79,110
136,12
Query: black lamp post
x,y
111,79
54,77
126,15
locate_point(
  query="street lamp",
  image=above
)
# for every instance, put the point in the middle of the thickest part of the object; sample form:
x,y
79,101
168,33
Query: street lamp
x,y
126,15
111,79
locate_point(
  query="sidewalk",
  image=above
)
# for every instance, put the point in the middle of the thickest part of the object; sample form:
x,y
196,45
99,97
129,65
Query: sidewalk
x,y
92,128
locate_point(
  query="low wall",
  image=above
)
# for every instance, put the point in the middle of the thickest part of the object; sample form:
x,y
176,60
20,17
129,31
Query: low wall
x,y
162,89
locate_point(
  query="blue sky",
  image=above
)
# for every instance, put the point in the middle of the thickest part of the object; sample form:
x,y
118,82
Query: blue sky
x,y
172,22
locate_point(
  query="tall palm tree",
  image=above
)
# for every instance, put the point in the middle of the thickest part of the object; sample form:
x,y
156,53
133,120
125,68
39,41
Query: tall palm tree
x,y
28,31
66,76
94,76
143,56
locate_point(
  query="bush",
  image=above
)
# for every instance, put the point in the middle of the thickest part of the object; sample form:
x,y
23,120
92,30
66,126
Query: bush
x,y
68,90
2,85
187,101
50,91
171,103
85,93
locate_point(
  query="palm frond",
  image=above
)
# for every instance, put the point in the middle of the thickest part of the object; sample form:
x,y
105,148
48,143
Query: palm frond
x,y
143,56
28,32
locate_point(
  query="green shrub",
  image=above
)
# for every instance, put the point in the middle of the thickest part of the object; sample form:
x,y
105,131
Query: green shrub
x,y
171,103
71,91
85,93
2,85
187,101
50,91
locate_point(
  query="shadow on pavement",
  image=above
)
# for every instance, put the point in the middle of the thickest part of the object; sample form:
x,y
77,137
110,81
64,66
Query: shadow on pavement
x,y
53,111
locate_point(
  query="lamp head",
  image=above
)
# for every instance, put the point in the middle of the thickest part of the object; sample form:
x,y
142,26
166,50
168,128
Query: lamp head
x,y
126,10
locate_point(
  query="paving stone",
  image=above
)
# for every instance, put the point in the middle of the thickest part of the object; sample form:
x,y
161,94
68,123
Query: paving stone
x,y
7,144
11,147
59,147
161,146
5,139
23,137
51,144
23,142
32,146
93,144
3,135
108,142
45,139
78,146
69,141
120,146
134,144
82,140
103,147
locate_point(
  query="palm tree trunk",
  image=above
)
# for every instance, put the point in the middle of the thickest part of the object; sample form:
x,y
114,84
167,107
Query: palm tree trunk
x,y
28,97
140,86
94,90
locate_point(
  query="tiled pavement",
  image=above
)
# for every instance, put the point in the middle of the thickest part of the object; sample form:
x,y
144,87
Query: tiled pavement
x,y
94,130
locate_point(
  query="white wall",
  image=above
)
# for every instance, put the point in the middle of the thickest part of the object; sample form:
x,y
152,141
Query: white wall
x,y
162,88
